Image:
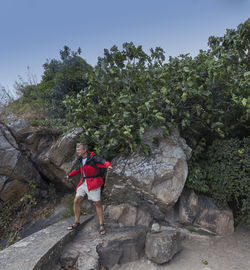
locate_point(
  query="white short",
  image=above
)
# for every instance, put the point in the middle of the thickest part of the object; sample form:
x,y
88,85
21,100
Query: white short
x,y
93,195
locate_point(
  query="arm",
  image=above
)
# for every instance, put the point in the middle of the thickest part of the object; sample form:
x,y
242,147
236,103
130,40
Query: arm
x,y
101,163
74,172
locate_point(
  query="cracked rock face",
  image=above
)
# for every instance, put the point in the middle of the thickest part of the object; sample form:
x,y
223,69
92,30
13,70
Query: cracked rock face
x,y
58,159
202,212
161,247
28,153
155,180
15,168
128,215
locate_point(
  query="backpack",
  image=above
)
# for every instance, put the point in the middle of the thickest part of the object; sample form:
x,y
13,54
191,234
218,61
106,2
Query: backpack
x,y
101,172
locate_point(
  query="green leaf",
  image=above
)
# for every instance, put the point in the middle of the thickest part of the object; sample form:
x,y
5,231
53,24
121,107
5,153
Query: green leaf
x,y
164,90
147,104
141,130
159,116
244,101
184,97
247,74
204,262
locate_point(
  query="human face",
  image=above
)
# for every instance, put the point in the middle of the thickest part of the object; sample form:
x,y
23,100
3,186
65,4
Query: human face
x,y
81,151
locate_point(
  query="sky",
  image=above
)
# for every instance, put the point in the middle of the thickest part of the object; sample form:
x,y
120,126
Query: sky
x,y
32,31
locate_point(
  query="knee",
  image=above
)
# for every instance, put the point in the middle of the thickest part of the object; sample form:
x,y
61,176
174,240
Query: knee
x,y
98,204
77,200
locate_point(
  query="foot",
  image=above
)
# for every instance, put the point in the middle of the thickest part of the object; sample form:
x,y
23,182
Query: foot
x,y
102,229
73,226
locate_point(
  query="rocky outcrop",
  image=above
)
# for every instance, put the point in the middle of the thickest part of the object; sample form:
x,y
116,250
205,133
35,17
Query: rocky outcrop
x,y
91,251
128,215
19,127
57,159
16,169
161,247
126,246
202,212
31,154
40,250
155,181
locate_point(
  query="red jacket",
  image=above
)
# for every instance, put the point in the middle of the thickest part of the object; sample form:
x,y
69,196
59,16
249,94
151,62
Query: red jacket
x,y
92,182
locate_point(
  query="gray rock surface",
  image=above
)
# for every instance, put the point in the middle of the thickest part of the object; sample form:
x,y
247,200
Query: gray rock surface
x,y
161,247
122,247
202,212
39,250
157,180
45,222
18,126
222,253
16,169
93,251
52,155
128,215
58,159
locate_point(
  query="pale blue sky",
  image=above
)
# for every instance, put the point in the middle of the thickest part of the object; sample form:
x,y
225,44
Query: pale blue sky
x,y
32,31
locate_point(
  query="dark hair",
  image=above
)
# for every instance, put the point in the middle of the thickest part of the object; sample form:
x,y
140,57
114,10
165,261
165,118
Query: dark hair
x,y
83,145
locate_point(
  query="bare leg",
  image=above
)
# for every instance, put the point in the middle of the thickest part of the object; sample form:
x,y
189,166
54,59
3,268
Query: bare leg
x,y
77,208
99,212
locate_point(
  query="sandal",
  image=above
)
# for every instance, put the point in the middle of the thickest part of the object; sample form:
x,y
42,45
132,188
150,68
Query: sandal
x,y
74,226
102,229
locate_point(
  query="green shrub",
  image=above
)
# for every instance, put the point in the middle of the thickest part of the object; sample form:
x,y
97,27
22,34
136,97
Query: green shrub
x,y
223,172
129,91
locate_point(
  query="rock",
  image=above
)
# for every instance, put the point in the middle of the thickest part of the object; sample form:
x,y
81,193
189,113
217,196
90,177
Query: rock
x,y
155,228
40,250
143,217
16,169
88,205
87,263
161,247
52,155
3,180
201,211
13,190
155,181
69,259
128,215
44,222
18,126
58,159
127,247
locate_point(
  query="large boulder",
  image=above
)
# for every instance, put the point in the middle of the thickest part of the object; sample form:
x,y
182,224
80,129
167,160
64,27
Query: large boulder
x,y
126,246
16,169
128,215
155,181
57,159
24,147
161,247
18,126
202,212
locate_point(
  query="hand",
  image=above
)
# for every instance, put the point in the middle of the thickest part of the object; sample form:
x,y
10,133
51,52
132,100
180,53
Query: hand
x,y
67,177
109,168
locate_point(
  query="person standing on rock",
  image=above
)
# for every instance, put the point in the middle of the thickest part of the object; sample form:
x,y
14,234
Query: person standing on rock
x,y
89,184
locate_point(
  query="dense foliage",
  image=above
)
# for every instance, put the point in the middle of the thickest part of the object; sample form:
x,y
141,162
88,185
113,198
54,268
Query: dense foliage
x,y
223,171
205,96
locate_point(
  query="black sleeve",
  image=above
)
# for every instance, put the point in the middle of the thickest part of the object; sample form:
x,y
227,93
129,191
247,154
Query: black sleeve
x,y
99,160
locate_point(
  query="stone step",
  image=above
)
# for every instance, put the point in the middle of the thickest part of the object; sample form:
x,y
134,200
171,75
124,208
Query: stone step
x,y
92,251
40,250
